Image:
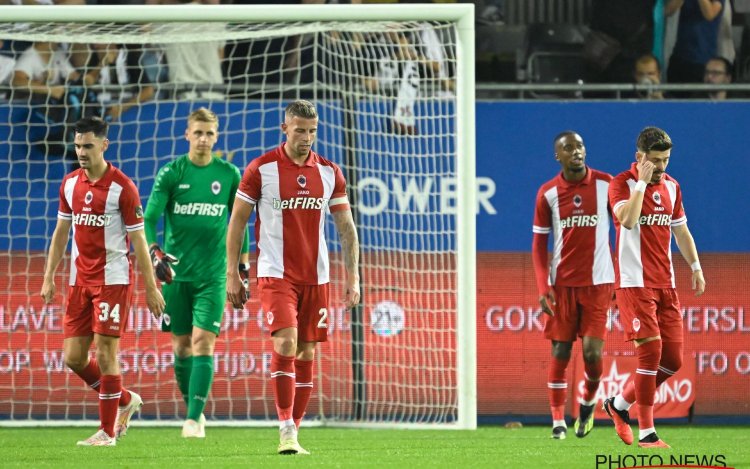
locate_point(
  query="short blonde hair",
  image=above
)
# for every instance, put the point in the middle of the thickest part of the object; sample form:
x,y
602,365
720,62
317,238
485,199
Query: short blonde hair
x,y
203,115
301,108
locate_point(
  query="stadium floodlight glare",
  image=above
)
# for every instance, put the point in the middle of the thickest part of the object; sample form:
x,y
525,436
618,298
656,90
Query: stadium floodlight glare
x,y
394,88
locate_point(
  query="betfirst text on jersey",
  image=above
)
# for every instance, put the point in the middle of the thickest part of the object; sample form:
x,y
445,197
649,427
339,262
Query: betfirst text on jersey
x,y
303,203
200,209
91,219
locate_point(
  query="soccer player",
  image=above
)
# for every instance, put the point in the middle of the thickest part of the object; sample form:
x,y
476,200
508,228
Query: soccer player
x,y
195,192
102,206
575,289
648,210
293,187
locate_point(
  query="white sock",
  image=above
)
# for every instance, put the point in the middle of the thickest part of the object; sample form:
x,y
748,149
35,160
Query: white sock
x,y
644,432
621,403
559,423
285,423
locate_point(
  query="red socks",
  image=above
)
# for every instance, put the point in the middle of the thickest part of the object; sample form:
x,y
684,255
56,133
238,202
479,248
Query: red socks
x,y
282,374
92,376
649,355
671,361
557,386
303,369
109,396
593,373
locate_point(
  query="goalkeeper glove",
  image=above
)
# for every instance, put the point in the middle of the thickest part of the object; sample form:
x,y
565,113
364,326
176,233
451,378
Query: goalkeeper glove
x,y
245,276
161,261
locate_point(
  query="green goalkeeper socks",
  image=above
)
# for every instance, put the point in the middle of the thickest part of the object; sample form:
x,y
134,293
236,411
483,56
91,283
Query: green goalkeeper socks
x,y
200,384
182,371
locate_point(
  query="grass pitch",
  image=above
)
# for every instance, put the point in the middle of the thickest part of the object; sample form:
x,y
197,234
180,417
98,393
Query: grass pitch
x,y
496,447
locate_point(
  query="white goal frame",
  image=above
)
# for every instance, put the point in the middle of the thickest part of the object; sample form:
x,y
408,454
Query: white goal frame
x,y
460,14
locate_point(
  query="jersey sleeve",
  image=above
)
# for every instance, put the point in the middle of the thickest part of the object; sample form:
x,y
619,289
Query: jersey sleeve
x,y
250,185
542,214
157,201
130,207
678,212
619,193
64,210
339,200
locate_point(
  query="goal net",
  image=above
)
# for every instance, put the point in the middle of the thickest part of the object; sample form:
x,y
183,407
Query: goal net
x,y
394,90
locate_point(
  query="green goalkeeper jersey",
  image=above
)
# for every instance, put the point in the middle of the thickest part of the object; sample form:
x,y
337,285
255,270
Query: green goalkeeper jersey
x,y
196,202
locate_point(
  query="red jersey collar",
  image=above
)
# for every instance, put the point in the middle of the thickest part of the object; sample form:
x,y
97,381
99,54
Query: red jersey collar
x,y
586,179
312,158
106,177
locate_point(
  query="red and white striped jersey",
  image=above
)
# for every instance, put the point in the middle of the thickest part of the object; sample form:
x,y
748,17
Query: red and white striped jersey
x,y
578,216
291,203
643,254
102,213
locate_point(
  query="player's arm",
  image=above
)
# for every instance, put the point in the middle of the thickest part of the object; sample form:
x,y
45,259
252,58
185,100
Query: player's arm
x,y
686,244
56,252
244,265
350,248
628,213
154,299
540,259
539,254
241,210
157,202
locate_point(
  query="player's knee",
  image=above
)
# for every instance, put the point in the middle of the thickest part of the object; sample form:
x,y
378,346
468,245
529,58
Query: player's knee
x,y
76,363
649,354
561,350
592,355
286,346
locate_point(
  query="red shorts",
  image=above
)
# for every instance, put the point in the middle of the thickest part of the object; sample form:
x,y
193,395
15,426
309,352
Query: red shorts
x,y
579,312
302,306
101,309
650,312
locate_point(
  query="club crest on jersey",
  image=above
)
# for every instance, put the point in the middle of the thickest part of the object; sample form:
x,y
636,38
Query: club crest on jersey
x,y
301,180
577,200
88,198
636,324
657,198
269,317
216,187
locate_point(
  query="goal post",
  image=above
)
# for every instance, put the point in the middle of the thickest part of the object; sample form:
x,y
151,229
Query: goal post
x,y
394,88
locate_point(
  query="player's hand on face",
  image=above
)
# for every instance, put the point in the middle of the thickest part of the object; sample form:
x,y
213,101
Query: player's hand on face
x,y
237,295
547,302
352,296
155,302
699,283
645,170
48,291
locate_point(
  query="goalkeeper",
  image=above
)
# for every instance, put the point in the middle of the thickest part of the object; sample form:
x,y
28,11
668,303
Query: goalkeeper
x,y
195,192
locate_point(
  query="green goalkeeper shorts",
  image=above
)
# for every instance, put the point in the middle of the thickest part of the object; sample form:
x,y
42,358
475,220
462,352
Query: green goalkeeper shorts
x,y
199,304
